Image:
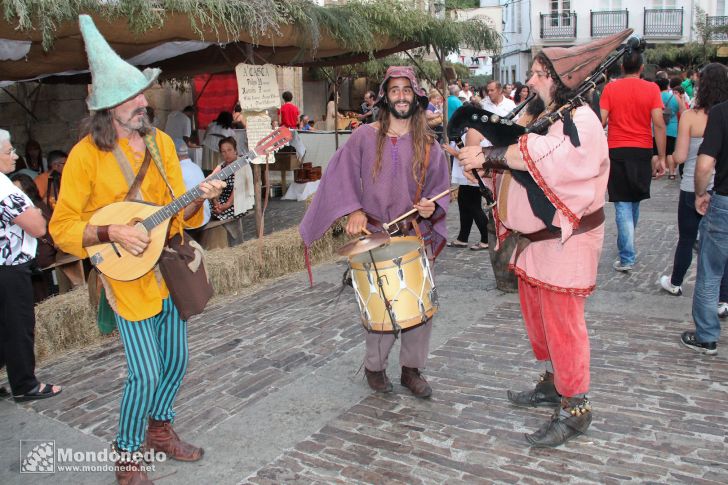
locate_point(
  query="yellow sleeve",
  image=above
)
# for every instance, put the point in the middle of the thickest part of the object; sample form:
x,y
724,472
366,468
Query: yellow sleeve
x,y
69,218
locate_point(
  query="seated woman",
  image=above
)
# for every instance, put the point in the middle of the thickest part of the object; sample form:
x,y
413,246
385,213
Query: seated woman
x,y
303,123
221,128
34,158
223,208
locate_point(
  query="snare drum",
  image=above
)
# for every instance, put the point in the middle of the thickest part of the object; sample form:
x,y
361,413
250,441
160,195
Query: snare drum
x,y
401,272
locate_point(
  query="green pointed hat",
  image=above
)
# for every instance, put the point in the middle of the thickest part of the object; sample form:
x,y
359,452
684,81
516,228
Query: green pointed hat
x,y
113,79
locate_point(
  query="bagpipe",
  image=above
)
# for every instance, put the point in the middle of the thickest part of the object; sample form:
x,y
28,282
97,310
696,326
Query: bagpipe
x,y
502,131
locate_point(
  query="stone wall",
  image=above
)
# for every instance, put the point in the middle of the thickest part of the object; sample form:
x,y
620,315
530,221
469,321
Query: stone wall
x,y
59,109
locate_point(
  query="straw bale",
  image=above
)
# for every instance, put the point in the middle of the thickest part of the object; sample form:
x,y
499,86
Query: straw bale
x,y
66,322
280,253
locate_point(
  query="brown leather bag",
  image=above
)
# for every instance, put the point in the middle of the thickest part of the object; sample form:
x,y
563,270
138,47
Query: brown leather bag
x,y
183,269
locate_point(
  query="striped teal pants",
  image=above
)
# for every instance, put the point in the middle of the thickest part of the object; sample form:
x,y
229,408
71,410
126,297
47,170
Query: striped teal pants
x,y
156,358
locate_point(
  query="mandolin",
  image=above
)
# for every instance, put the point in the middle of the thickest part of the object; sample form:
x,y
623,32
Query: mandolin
x,y
115,262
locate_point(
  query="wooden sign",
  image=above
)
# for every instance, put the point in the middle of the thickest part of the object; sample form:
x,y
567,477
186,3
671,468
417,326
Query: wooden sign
x,y
257,87
258,127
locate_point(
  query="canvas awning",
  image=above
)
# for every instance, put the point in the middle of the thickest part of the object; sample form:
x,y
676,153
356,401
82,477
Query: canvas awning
x,y
176,47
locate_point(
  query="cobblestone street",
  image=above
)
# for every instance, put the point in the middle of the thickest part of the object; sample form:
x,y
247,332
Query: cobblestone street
x,y
275,392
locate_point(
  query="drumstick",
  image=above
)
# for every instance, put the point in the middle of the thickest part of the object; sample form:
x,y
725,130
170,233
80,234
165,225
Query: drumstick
x,y
406,215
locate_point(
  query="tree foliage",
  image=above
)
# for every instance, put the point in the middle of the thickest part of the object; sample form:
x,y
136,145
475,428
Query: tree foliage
x,y
360,25
375,69
461,4
692,54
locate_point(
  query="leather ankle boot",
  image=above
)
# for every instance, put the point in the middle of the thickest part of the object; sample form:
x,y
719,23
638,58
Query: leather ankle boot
x,y
575,420
129,469
378,380
413,380
129,473
161,437
544,394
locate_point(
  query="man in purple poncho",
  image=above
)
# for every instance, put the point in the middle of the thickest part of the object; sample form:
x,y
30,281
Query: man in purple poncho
x,y
383,170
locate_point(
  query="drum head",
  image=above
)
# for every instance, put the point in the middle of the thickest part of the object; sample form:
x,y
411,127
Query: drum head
x,y
398,246
363,244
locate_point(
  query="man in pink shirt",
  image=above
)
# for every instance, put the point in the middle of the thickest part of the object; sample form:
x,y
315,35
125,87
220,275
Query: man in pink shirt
x,y
551,191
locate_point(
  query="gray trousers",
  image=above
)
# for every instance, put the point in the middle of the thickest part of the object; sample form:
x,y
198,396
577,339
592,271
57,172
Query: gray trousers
x,y
414,347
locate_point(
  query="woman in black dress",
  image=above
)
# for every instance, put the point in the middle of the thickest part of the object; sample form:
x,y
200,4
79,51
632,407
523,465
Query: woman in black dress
x,y
223,208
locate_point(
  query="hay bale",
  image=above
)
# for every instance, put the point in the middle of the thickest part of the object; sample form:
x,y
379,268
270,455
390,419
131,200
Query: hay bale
x,y
65,322
281,253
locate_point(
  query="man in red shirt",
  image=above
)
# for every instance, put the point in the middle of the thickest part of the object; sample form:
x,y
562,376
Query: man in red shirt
x,y
633,108
288,114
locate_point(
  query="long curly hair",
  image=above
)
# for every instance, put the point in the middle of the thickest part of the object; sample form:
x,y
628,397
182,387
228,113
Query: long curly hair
x,y
713,87
422,137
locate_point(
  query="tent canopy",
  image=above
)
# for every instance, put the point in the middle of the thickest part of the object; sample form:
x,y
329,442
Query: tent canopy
x,y
186,37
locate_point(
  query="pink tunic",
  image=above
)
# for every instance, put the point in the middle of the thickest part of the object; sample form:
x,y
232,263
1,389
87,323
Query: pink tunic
x,y
575,180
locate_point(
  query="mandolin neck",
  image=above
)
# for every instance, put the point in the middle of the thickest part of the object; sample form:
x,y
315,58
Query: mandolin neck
x,y
188,197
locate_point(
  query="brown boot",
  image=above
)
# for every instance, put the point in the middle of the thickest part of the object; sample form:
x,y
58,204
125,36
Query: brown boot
x,y
131,472
378,380
413,380
161,437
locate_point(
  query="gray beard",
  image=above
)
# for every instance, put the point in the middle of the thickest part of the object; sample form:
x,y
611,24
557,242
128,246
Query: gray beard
x,y
146,125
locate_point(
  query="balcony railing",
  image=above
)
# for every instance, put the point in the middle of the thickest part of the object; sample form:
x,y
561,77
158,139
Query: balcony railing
x,y
663,22
558,25
718,21
608,22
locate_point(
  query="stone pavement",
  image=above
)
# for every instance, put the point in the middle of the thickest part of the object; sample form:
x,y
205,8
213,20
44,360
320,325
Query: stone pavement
x,y
275,392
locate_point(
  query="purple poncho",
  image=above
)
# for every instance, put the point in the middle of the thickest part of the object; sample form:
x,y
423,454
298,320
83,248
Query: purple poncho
x,y
347,185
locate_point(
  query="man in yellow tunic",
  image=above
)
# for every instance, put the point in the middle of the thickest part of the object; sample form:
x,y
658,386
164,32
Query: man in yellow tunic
x,y
151,329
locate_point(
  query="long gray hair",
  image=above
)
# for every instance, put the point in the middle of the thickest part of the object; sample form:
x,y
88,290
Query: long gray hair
x,y
100,125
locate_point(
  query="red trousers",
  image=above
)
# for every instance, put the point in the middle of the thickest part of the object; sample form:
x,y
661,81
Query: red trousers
x,y
557,331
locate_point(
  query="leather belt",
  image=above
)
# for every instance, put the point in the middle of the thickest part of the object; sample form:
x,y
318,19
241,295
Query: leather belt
x,y
587,223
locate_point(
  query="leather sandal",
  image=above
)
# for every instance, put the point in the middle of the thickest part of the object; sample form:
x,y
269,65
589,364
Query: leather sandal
x,y
457,244
38,393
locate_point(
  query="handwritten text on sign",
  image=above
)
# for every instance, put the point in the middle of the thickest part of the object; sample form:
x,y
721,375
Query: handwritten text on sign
x,y
257,87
